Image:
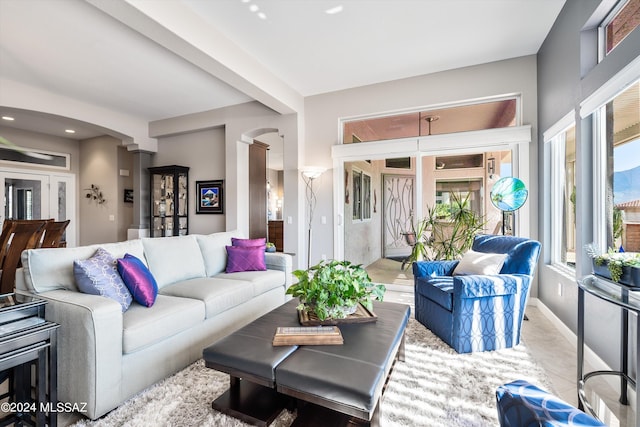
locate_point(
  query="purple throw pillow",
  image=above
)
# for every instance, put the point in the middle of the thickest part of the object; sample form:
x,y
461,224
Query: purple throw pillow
x,y
98,275
248,242
245,258
138,279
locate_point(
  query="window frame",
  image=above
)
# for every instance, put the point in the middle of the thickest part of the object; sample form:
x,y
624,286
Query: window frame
x,y
555,141
604,25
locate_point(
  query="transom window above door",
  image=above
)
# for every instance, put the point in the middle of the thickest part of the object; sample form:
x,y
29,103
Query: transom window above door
x,y
461,118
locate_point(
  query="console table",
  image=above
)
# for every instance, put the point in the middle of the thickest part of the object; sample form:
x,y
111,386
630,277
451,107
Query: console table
x,y
27,339
628,299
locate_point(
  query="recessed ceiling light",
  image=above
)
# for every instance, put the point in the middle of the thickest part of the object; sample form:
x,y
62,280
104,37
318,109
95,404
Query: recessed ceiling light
x,y
254,8
8,118
334,10
70,131
261,15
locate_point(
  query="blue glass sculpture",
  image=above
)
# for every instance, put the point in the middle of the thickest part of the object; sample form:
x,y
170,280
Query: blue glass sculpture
x,y
509,194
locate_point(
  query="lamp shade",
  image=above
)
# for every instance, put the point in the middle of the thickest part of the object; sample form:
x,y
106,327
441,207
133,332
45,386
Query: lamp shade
x,y
509,194
313,172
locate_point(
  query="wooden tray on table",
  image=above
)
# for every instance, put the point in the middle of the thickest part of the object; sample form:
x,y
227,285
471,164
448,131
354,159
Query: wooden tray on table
x,y
362,315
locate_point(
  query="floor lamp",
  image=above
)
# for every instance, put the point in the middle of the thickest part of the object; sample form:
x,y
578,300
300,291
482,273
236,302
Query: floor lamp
x,y
309,174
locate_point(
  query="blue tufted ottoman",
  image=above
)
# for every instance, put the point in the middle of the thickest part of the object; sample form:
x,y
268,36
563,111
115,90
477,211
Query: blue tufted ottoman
x,y
521,404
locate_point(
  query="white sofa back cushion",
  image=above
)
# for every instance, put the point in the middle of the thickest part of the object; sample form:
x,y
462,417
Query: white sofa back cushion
x,y
214,251
50,269
173,259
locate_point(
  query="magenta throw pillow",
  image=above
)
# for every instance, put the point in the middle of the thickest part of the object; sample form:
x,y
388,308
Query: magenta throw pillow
x,y
245,258
138,279
248,242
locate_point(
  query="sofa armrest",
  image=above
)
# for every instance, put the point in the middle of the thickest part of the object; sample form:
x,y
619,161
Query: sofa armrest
x,y
89,348
479,286
282,262
433,268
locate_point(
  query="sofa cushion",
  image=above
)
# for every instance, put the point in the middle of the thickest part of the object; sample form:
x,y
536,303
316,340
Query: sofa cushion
x,y
138,279
213,251
52,268
479,263
262,281
169,316
235,241
438,289
218,295
173,259
245,258
98,275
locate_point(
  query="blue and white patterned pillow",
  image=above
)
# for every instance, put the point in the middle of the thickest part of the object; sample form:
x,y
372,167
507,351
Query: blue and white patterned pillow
x,y
99,275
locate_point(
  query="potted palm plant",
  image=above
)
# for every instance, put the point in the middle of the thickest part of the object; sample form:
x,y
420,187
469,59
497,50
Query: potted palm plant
x,y
333,289
447,235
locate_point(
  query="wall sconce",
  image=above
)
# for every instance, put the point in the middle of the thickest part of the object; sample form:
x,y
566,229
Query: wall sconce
x,y
491,166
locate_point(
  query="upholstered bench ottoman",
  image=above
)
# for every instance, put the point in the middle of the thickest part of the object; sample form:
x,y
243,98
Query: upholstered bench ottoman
x,y
348,378
343,381
248,354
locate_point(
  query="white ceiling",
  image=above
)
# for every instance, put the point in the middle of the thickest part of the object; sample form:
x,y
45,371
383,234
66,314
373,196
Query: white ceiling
x,y
75,49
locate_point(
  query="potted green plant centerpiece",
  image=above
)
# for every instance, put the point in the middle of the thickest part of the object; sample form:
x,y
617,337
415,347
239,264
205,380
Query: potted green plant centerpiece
x,y
333,289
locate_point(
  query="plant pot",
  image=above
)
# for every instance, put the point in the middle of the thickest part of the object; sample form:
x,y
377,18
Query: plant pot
x,y
630,275
335,312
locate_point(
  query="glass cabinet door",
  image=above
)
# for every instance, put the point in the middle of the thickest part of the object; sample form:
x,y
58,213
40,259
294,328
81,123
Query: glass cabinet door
x,y
169,201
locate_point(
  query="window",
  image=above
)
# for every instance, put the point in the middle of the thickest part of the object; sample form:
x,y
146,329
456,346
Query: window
x,y
624,18
618,157
461,118
361,195
563,197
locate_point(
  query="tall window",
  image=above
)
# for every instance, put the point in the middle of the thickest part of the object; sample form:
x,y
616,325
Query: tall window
x,y
361,195
563,198
618,132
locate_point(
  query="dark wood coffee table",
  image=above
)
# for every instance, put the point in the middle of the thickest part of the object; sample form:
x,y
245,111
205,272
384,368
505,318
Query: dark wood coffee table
x,y
346,381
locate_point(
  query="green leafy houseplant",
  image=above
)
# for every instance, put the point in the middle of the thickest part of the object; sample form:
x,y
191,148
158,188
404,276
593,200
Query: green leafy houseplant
x,y
616,262
331,288
447,237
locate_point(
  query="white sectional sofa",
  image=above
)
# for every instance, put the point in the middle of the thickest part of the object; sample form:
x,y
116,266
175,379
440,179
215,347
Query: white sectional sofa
x,y
106,356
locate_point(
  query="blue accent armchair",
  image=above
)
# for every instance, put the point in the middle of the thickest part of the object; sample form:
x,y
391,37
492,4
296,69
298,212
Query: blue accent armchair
x,y
521,404
477,312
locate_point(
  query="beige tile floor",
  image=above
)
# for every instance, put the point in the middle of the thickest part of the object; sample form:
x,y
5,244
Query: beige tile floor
x,y
555,353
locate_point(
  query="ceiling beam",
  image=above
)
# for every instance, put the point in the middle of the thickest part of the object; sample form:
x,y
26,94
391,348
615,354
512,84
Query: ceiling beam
x,y
178,29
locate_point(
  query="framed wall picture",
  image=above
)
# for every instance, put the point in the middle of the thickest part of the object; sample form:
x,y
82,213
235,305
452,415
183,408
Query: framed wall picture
x,y
210,197
128,195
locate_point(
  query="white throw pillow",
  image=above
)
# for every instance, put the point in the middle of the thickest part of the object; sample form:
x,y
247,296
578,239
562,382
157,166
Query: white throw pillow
x,y
479,263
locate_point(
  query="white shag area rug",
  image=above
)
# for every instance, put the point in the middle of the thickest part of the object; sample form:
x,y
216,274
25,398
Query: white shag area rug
x,y
434,387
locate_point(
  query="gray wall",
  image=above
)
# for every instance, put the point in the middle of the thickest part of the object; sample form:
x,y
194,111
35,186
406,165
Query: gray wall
x,y
203,153
323,112
567,74
99,166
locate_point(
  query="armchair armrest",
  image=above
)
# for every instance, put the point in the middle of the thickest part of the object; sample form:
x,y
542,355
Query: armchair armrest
x,y
282,262
479,286
433,268
89,348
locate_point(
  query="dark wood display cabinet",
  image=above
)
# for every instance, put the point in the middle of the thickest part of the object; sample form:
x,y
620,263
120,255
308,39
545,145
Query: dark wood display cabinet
x,y
169,213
